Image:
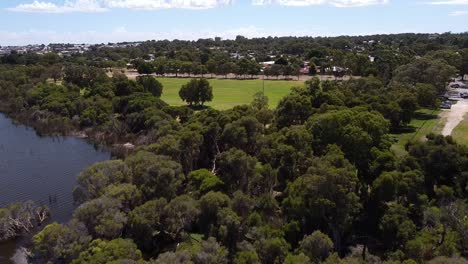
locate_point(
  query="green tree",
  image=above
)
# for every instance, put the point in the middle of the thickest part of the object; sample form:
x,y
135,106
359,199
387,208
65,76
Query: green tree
x,y
202,181
181,213
272,250
242,134
60,242
396,226
91,183
236,169
224,69
179,257
151,85
426,95
160,66
146,224
128,194
210,205
296,259
197,91
443,162
432,242
313,86
316,246
114,251
156,176
190,143
145,68
246,257
103,217
55,72
293,110
123,86
211,253
83,76
425,70
260,101
464,64
212,66
355,131
395,186
452,57
325,196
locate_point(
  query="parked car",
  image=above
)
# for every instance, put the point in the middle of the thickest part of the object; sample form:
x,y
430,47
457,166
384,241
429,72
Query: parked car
x,y
442,97
455,85
464,95
445,106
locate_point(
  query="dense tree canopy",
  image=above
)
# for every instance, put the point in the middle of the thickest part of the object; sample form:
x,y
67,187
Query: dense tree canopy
x,y
313,180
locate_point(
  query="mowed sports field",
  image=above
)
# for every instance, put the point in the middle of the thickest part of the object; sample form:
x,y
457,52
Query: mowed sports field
x,y
229,93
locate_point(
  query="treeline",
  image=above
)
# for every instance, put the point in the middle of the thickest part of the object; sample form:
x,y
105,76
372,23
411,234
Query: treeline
x,y
351,53
376,55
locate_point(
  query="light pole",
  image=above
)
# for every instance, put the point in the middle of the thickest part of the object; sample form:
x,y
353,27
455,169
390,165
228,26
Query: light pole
x,y
263,84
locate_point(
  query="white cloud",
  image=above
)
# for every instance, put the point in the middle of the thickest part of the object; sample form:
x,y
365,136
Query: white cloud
x,y
164,4
459,13
90,6
122,34
336,3
450,2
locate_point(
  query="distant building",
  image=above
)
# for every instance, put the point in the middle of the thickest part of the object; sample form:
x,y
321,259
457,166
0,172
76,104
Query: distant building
x,y
236,55
267,64
433,36
336,70
150,58
304,70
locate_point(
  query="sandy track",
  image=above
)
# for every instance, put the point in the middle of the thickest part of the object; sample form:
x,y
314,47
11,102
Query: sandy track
x,y
454,116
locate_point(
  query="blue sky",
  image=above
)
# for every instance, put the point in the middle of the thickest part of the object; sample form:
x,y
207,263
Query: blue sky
x,y
97,21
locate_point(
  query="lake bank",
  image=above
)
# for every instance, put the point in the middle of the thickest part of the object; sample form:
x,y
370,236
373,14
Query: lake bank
x,y
42,169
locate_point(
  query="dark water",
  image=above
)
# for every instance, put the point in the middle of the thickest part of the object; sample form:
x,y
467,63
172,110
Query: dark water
x,y
42,169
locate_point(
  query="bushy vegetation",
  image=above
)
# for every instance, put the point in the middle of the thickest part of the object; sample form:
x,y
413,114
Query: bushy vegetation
x,y
312,181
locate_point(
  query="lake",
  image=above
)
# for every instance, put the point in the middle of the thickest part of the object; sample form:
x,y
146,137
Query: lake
x,y
42,169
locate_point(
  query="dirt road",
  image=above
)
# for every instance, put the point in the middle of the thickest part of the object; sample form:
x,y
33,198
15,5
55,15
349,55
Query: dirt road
x,y
132,74
454,116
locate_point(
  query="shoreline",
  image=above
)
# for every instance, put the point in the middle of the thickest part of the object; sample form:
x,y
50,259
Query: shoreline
x,y
96,138
79,158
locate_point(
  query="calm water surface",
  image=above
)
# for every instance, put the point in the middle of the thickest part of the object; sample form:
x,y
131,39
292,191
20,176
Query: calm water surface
x,y
42,169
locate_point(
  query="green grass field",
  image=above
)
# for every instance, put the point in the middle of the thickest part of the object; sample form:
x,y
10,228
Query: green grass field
x,y
425,121
460,133
229,93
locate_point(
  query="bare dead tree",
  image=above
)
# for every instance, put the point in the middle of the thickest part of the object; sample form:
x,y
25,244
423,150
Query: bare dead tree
x,y
20,218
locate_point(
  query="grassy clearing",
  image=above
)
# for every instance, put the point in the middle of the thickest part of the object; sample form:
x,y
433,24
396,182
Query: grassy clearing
x,y
424,122
229,93
460,133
